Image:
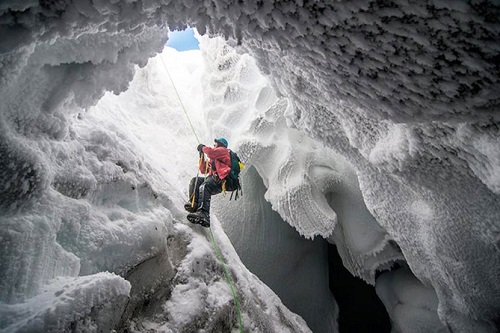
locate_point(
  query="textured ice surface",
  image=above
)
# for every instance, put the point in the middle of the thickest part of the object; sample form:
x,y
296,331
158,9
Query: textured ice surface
x,y
408,94
312,188
87,304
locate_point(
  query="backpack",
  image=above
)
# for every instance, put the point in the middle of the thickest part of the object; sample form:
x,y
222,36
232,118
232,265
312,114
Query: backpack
x,y
233,179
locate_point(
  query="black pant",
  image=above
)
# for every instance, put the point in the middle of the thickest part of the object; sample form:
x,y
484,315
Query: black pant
x,y
203,189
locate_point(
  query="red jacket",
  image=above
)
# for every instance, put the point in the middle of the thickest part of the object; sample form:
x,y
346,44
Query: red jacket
x,y
222,159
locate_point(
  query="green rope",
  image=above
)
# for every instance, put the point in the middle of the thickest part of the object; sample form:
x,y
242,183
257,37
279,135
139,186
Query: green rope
x,y
226,273
216,248
180,99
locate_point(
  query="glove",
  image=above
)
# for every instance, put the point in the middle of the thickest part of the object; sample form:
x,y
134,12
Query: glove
x,y
200,147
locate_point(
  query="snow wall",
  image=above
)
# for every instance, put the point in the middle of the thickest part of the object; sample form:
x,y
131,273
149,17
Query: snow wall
x,y
391,105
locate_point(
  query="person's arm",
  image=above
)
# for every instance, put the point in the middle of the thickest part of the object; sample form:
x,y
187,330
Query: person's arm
x,y
215,153
204,166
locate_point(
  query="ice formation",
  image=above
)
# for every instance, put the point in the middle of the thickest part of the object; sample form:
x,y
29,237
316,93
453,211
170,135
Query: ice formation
x,y
113,205
377,129
410,304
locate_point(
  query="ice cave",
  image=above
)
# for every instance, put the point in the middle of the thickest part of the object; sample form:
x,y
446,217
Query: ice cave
x,y
370,133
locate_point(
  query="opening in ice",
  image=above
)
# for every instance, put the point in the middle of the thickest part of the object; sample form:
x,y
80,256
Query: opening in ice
x,y
183,40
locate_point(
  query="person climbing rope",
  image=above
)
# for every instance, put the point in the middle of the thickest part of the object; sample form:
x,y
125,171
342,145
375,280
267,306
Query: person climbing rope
x,y
201,189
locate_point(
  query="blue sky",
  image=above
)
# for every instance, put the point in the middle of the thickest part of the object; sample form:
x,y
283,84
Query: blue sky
x,y
183,40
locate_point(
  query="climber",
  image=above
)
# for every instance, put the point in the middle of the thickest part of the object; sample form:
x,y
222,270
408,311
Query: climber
x,y
201,189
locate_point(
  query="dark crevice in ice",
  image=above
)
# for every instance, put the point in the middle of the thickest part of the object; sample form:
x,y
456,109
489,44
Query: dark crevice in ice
x,y
360,308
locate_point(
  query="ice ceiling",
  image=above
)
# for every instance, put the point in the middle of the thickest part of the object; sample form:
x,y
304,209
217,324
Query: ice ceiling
x,y
407,92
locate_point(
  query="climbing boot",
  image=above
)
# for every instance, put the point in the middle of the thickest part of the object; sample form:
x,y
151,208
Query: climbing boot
x,y
199,217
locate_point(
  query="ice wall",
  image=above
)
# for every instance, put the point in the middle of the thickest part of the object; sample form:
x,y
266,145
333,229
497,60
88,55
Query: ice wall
x,y
407,93
313,189
87,205
67,202
294,268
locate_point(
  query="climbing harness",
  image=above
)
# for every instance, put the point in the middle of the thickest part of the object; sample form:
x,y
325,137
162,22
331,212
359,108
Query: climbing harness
x,y
214,243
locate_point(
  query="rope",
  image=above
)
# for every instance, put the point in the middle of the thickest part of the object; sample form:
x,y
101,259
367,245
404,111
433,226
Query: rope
x,y
226,273
180,100
196,181
216,248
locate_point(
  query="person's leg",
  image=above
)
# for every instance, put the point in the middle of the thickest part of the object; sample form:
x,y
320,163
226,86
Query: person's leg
x,y
194,189
209,187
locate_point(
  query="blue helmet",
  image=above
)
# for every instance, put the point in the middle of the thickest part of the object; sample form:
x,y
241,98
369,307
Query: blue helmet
x,y
221,141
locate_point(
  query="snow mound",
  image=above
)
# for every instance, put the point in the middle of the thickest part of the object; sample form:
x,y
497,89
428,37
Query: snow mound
x,y
202,299
87,303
